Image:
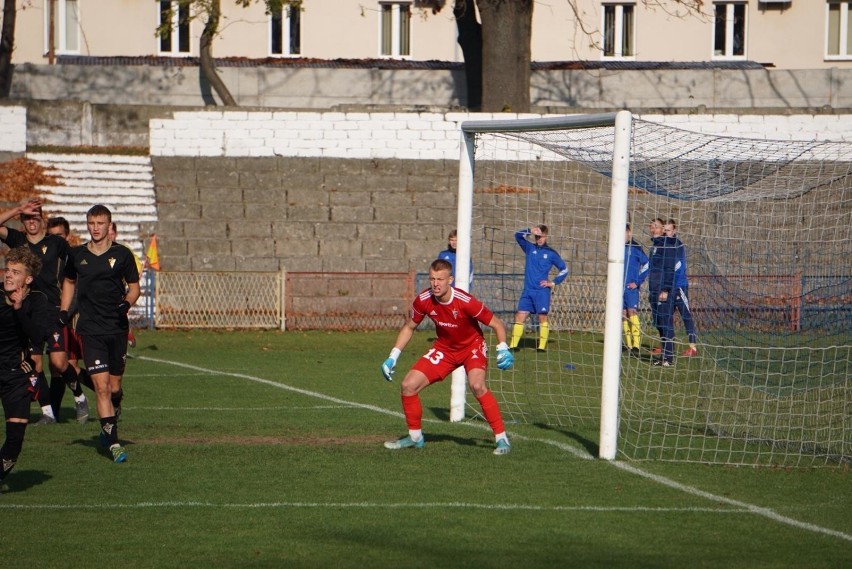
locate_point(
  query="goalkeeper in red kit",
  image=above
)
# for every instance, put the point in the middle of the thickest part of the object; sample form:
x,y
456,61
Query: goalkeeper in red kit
x,y
457,316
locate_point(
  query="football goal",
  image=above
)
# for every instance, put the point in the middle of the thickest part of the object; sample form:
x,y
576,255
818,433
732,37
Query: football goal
x,y
767,230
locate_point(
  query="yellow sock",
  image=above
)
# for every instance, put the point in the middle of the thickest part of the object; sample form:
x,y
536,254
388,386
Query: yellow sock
x,y
543,333
628,334
636,330
517,332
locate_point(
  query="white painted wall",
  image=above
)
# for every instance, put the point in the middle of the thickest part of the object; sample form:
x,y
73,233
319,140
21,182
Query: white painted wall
x,y
13,129
427,136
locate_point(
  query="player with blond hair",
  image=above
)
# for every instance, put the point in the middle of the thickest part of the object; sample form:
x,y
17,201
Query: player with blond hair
x,y
460,343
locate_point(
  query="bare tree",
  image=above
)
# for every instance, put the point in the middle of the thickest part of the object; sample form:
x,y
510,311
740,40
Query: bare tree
x,y
7,46
496,48
208,68
210,11
506,54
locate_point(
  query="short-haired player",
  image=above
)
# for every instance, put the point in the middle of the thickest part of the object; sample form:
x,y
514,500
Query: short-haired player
x,y
23,318
460,343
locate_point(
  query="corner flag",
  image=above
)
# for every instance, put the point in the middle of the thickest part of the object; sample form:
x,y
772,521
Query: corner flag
x,y
152,255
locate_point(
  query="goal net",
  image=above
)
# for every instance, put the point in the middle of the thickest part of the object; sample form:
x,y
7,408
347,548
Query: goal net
x,y
767,230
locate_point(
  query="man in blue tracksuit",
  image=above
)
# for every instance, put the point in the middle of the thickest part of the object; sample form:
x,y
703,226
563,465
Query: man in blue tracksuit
x,y
449,255
535,298
661,286
635,273
681,291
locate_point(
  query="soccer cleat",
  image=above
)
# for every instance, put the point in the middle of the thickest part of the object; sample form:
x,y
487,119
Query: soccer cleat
x,y
405,442
689,353
118,453
82,408
503,447
46,420
663,363
656,351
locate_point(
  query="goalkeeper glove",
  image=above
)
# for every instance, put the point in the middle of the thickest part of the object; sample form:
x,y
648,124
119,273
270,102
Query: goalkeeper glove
x,y
390,363
63,318
505,359
123,307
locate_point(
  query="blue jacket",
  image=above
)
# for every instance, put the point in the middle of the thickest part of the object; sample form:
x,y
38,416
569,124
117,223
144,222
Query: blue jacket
x,y
661,264
635,264
680,267
450,255
539,261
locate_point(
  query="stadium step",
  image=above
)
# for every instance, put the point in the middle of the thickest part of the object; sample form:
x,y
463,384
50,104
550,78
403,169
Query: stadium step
x,y
125,184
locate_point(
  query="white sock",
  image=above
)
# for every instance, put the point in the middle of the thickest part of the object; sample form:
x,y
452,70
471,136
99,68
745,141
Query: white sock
x,y
47,411
501,436
81,398
415,435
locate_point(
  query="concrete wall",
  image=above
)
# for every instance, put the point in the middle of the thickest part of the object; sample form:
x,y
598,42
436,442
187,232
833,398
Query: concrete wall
x,y
353,192
323,88
13,129
350,192
303,214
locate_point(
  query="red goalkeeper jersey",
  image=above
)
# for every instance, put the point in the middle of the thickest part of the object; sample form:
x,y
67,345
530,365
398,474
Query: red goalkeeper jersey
x,y
457,322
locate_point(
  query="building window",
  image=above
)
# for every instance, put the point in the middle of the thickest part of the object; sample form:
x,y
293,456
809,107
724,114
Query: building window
x,y
174,23
838,36
395,40
285,31
66,27
618,31
729,27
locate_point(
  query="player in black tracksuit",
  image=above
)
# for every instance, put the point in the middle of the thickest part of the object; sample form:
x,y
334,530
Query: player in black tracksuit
x,y
22,322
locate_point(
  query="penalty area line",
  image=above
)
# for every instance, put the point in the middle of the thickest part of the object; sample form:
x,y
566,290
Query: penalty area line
x,y
662,480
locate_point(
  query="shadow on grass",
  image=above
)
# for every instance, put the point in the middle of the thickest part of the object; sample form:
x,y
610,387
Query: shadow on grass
x,y
461,441
22,480
441,413
95,443
591,447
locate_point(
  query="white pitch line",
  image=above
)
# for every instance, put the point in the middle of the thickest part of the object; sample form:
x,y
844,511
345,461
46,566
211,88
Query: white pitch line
x,y
242,409
765,512
375,505
757,510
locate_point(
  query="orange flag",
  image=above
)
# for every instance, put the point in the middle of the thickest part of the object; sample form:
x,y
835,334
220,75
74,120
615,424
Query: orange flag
x,y
152,255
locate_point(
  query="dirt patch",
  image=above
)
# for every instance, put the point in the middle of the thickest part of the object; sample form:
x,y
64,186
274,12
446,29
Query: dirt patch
x,y
238,440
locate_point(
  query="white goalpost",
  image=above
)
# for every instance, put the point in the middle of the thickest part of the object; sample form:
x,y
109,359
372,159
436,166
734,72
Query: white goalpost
x,y
766,227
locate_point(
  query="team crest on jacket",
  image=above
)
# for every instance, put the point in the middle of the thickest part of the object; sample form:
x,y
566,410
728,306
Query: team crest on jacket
x,y
455,313
111,262
44,249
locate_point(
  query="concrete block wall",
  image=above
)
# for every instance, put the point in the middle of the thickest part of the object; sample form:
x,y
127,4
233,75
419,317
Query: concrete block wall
x,y
303,214
349,192
13,129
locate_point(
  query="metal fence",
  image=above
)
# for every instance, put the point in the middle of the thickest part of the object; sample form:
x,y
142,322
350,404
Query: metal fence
x,y
381,301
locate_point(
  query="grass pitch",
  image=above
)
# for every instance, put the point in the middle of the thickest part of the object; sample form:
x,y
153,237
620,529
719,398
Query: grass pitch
x,y
264,449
